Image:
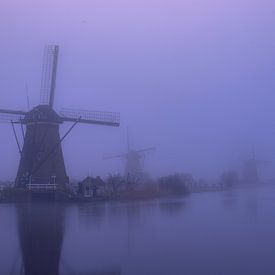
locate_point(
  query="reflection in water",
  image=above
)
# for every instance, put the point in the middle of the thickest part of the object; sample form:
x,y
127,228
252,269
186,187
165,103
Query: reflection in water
x,y
41,230
41,233
99,272
172,207
252,207
91,214
209,233
230,199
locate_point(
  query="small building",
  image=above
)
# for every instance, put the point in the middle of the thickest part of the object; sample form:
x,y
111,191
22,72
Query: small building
x,y
92,187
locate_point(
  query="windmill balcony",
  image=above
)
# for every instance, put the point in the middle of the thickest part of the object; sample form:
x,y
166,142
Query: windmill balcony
x,y
41,187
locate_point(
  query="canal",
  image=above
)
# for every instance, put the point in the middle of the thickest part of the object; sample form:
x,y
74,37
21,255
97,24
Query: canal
x,y
231,232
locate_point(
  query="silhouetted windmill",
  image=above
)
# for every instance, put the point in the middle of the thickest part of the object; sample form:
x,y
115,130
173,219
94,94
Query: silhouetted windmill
x,y
133,165
42,163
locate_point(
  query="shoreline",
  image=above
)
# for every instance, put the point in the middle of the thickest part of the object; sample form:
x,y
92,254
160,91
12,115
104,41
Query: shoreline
x,y
22,196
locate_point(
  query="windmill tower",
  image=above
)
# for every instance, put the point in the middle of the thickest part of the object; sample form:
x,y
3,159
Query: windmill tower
x,y
250,168
133,161
41,158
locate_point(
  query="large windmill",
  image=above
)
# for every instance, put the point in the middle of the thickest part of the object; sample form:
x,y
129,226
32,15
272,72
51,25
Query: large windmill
x,y
42,163
133,162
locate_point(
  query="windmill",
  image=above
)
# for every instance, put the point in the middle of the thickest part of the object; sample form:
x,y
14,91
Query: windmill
x,y
250,168
41,158
133,162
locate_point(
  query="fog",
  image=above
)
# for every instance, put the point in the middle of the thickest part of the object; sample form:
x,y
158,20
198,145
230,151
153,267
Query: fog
x,y
195,79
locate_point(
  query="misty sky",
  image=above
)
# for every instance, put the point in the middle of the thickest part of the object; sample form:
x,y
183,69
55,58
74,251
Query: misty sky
x,y
194,78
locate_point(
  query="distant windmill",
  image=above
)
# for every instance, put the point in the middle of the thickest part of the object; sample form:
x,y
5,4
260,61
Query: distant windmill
x,y
42,162
133,165
250,168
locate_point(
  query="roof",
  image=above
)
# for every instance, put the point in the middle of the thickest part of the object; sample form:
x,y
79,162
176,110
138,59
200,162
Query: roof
x,y
90,180
42,113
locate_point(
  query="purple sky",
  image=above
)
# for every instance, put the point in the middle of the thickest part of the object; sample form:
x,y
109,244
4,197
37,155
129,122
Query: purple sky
x,y
196,79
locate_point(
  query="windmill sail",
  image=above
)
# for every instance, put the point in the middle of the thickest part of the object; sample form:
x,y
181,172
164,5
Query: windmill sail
x,y
129,152
115,156
91,117
49,75
11,115
146,150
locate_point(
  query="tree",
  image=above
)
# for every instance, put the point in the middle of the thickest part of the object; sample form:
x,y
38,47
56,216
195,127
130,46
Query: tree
x,y
115,183
229,178
173,184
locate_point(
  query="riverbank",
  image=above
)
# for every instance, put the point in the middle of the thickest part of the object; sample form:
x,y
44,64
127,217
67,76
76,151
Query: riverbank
x,y
15,195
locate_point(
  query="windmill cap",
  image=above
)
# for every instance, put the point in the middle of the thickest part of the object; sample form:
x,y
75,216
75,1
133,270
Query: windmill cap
x,y
42,113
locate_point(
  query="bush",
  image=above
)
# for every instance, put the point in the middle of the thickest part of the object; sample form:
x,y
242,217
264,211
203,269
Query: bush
x,y
115,183
173,184
229,178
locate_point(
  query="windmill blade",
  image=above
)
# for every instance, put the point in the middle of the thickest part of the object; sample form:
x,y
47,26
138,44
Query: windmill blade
x,y
146,150
49,70
115,156
127,154
11,115
91,117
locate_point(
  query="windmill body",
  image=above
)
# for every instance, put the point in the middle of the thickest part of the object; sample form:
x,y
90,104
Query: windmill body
x,y
41,157
250,169
133,165
42,135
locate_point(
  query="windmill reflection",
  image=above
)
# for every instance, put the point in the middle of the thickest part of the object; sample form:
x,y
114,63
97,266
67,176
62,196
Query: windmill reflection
x,y
41,231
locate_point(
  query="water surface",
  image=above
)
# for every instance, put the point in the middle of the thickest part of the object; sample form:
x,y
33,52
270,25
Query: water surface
x,y
209,233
